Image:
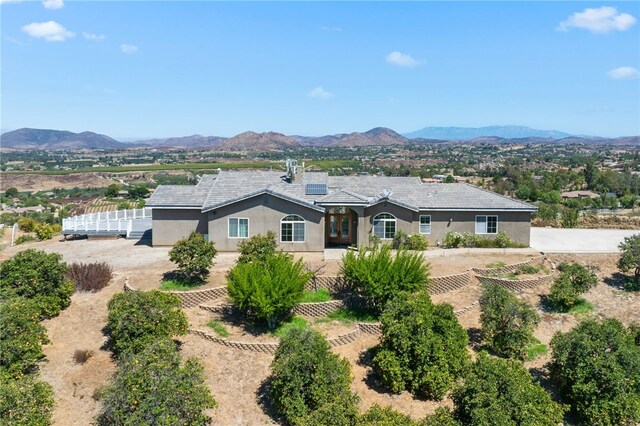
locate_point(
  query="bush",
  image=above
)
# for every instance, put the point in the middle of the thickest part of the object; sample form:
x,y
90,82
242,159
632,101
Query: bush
x,y
385,416
268,291
630,258
569,218
309,383
46,231
26,224
194,256
573,281
137,318
502,392
26,238
21,336
423,347
154,388
38,276
25,401
112,190
507,322
90,276
548,212
452,240
502,240
597,369
257,248
404,241
379,276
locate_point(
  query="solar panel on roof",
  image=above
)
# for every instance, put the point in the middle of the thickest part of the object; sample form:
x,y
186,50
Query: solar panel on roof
x,y
315,189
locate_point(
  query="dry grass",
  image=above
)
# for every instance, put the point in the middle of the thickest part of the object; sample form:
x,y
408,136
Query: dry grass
x,y
80,356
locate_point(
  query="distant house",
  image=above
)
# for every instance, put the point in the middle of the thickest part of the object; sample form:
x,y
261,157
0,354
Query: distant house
x,y
580,194
310,211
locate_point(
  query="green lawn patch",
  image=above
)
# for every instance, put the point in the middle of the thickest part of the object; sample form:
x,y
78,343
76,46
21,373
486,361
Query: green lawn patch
x,y
294,322
176,285
219,328
581,307
348,316
321,295
535,349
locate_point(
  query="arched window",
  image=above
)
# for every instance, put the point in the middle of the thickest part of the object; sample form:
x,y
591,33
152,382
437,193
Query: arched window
x,y
292,229
384,226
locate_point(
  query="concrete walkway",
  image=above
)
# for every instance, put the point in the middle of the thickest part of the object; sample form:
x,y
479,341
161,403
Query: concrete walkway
x,y
555,240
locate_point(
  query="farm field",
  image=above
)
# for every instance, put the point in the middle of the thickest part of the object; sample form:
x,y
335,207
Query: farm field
x,y
235,377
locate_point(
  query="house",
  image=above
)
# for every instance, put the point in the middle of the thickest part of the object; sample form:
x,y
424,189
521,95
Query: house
x,y
580,194
309,211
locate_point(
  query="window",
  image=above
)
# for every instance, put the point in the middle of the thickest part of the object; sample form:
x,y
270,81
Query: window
x,y
486,224
425,224
292,229
384,226
238,227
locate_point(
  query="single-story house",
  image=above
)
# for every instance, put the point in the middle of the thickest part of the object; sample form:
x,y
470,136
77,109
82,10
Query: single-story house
x,y
310,211
580,194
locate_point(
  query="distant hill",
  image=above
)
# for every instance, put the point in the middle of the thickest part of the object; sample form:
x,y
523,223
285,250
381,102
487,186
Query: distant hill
x,y
465,133
193,141
252,141
24,139
379,136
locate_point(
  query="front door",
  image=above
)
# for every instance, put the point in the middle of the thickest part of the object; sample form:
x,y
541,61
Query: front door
x,y
339,228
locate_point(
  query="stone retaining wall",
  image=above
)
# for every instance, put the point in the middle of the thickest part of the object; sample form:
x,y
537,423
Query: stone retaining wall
x,y
538,260
370,327
266,347
333,284
447,283
516,285
193,298
318,309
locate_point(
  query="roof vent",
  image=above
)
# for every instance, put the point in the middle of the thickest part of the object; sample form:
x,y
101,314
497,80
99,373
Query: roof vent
x,y
386,193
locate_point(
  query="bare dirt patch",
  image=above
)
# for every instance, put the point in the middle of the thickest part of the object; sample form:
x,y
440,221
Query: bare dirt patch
x,y
236,378
37,182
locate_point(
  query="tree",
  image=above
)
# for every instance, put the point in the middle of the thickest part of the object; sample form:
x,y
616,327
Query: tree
x,y
138,317
154,387
548,212
21,336
449,179
591,174
507,322
423,347
574,280
257,248
379,276
551,197
385,416
597,369
523,192
569,218
138,192
25,401
194,256
630,258
39,276
502,392
11,192
112,190
268,290
308,381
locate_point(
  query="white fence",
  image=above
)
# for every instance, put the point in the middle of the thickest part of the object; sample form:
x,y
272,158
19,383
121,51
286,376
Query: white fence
x,y
113,222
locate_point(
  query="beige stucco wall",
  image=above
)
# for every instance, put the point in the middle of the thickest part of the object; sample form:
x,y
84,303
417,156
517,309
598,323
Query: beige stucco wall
x,y
171,225
265,213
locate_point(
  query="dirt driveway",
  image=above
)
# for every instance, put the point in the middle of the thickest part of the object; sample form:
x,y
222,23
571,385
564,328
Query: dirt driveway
x,y
555,240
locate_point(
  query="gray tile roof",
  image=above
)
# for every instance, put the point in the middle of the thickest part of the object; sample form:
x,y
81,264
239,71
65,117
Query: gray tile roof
x,y
410,192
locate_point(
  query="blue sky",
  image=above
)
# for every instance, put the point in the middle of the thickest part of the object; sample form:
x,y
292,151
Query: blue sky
x,y
149,68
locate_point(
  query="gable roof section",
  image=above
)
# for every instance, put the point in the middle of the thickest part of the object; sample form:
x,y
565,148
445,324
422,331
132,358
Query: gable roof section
x,y
342,197
184,196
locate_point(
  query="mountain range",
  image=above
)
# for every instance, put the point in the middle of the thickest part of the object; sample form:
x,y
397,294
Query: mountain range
x,y
44,139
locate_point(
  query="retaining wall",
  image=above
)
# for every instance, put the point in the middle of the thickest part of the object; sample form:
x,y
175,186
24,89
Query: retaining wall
x,y
516,285
318,309
333,284
539,260
447,283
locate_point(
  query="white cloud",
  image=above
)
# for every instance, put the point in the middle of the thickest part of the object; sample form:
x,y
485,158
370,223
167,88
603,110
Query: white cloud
x,y
401,59
601,20
128,48
50,31
624,73
93,37
320,93
53,4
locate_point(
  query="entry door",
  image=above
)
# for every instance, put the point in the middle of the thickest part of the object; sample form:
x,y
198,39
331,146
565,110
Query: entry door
x,y
339,228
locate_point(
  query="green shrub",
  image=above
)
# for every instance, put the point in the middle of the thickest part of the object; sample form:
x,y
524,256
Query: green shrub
x,y
502,392
472,240
257,248
310,383
507,322
442,417
25,401
194,256
596,367
423,347
153,387
452,240
526,270
385,416
502,240
21,336
46,231
268,291
26,224
26,238
139,317
630,259
404,241
90,276
378,275
569,218
38,276
574,280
